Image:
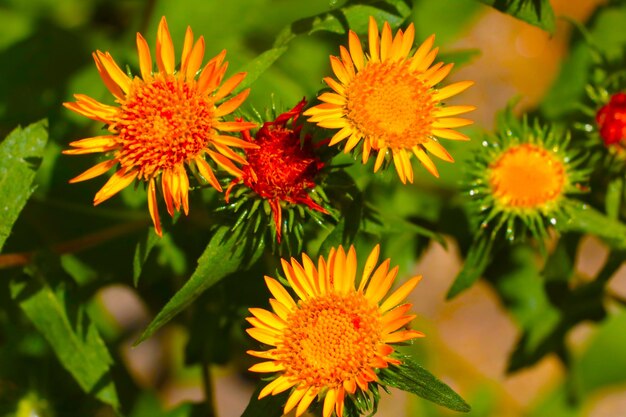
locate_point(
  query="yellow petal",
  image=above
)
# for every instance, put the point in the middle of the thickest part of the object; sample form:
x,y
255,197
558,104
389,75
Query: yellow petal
x,y
402,336
229,85
165,48
407,41
374,40
301,288
145,60
269,366
370,264
452,110
333,98
438,76
268,318
400,294
422,51
340,70
426,161
295,398
263,336
329,402
187,46
120,180
194,60
95,171
207,173
337,87
118,76
356,50
451,122
439,151
385,42
153,208
394,325
398,163
452,90
306,401
377,292
225,163
232,104
279,293
449,134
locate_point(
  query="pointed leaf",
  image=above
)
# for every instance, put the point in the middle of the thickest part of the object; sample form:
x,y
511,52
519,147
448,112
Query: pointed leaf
x,y
270,406
583,218
413,378
477,260
224,254
258,66
536,12
20,156
71,334
142,251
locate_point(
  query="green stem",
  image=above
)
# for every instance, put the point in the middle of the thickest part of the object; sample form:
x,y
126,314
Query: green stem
x,y
209,394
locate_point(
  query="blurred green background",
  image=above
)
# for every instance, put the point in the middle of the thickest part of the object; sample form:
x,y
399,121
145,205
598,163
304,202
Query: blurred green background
x,y
45,48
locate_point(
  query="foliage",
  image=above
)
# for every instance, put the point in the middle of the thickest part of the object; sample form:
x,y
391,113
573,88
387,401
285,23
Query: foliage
x,y
63,352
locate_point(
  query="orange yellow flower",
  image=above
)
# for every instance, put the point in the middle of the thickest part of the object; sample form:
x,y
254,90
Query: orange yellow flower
x,y
165,121
388,101
331,341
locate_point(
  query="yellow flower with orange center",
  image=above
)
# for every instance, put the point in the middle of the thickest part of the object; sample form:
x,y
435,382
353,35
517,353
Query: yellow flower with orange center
x,y
523,176
389,102
331,342
165,121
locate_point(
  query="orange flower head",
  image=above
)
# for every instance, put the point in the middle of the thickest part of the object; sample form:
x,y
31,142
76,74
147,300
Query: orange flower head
x,y
527,176
282,168
388,101
164,122
611,119
331,341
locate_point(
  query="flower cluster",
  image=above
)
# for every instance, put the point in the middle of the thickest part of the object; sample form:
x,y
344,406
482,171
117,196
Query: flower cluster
x,y
331,341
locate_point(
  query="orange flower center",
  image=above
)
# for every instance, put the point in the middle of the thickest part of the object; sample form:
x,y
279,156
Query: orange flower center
x,y
163,123
527,176
390,105
330,339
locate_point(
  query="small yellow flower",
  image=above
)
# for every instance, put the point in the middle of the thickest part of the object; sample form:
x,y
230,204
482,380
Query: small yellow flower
x,y
389,100
163,122
330,342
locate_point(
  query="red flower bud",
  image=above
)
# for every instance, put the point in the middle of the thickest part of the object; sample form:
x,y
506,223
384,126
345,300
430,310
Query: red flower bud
x,y
611,120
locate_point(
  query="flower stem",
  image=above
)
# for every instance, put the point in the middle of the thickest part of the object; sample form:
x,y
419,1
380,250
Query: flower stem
x,y
209,394
10,260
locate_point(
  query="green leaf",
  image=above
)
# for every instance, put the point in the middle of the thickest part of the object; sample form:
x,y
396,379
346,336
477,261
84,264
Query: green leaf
x,y
585,219
413,378
224,254
355,17
603,363
65,325
476,262
270,406
258,66
142,251
21,153
536,12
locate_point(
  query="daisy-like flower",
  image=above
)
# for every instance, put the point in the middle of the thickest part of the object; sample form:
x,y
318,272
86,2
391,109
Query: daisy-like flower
x,y
524,175
282,170
389,102
330,343
165,121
